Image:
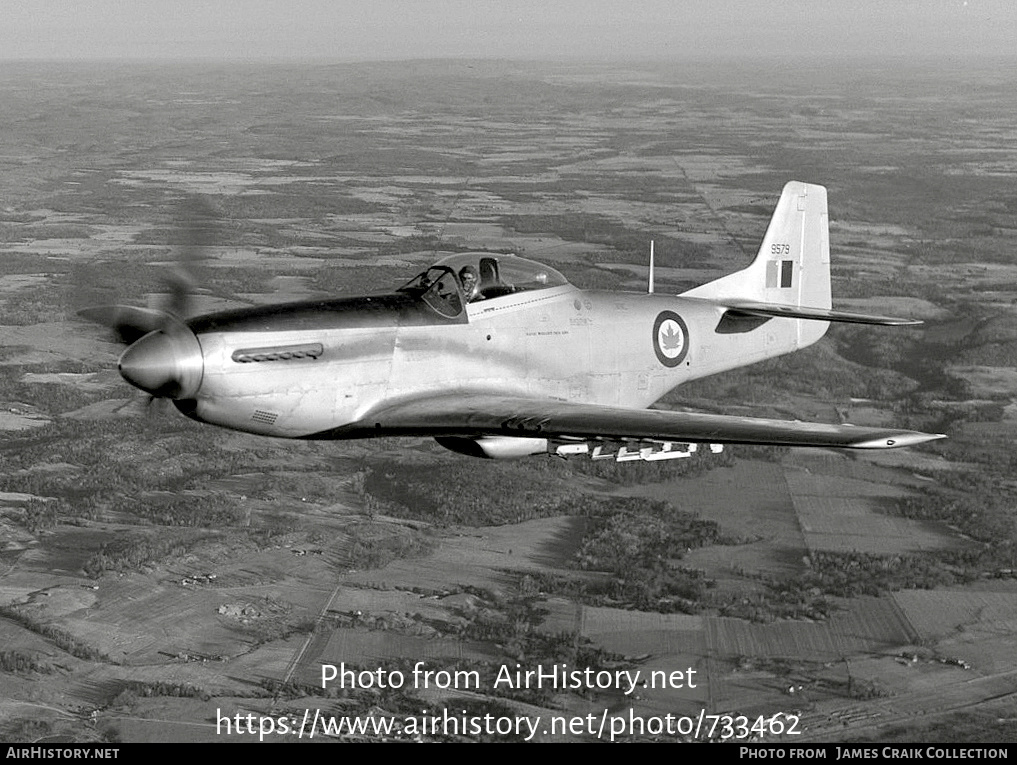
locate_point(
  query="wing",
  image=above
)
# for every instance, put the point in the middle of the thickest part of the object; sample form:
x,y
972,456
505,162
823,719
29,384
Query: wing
x,y
482,415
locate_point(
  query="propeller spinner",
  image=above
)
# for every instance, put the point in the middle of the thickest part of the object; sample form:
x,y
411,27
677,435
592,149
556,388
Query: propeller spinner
x,y
166,363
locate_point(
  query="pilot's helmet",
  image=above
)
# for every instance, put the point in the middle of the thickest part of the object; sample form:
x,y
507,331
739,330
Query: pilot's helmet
x,y
468,278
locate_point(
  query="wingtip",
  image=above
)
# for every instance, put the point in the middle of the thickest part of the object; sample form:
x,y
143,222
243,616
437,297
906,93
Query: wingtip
x,y
898,440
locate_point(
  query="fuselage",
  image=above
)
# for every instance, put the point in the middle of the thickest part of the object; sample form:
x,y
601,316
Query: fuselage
x,y
498,356
315,369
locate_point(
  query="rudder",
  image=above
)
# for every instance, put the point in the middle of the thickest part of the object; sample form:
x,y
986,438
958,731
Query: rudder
x,y
792,266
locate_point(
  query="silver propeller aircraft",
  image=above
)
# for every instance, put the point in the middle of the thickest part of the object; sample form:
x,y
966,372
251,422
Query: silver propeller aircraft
x,y
497,356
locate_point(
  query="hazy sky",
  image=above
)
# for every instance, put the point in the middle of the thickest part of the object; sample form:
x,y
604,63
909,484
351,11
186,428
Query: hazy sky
x,y
398,29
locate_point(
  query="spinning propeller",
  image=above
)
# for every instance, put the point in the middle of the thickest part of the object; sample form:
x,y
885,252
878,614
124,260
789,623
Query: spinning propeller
x,y
163,357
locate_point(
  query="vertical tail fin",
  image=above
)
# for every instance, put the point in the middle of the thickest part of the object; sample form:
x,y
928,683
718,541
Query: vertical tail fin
x,y
792,266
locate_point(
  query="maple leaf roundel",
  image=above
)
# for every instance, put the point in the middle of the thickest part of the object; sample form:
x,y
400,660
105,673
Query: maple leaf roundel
x,y
670,338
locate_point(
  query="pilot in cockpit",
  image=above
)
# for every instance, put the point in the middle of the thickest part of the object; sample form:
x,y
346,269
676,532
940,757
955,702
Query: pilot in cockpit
x,y
468,279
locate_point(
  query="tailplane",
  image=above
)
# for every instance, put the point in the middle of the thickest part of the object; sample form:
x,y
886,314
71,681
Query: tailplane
x,y
790,275
792,266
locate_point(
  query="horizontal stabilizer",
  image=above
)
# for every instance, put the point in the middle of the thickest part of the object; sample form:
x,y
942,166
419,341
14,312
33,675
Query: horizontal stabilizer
x,y
772,310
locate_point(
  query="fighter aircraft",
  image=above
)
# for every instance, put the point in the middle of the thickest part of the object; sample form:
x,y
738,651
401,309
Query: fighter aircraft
x,y
498,356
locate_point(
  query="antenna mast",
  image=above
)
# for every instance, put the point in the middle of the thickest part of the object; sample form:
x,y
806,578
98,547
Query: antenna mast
x,y
649,288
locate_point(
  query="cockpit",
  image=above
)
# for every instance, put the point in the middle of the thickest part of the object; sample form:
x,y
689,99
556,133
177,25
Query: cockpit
x,y
468,277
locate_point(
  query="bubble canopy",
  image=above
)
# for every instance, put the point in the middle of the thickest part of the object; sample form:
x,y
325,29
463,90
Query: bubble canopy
x,y
472,276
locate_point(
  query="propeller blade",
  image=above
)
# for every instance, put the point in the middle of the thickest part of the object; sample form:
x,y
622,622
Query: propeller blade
x,y
129,322
199,232
163,357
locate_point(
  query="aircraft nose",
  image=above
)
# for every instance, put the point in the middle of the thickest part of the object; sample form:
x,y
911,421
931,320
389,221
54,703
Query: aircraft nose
x,y
164,364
